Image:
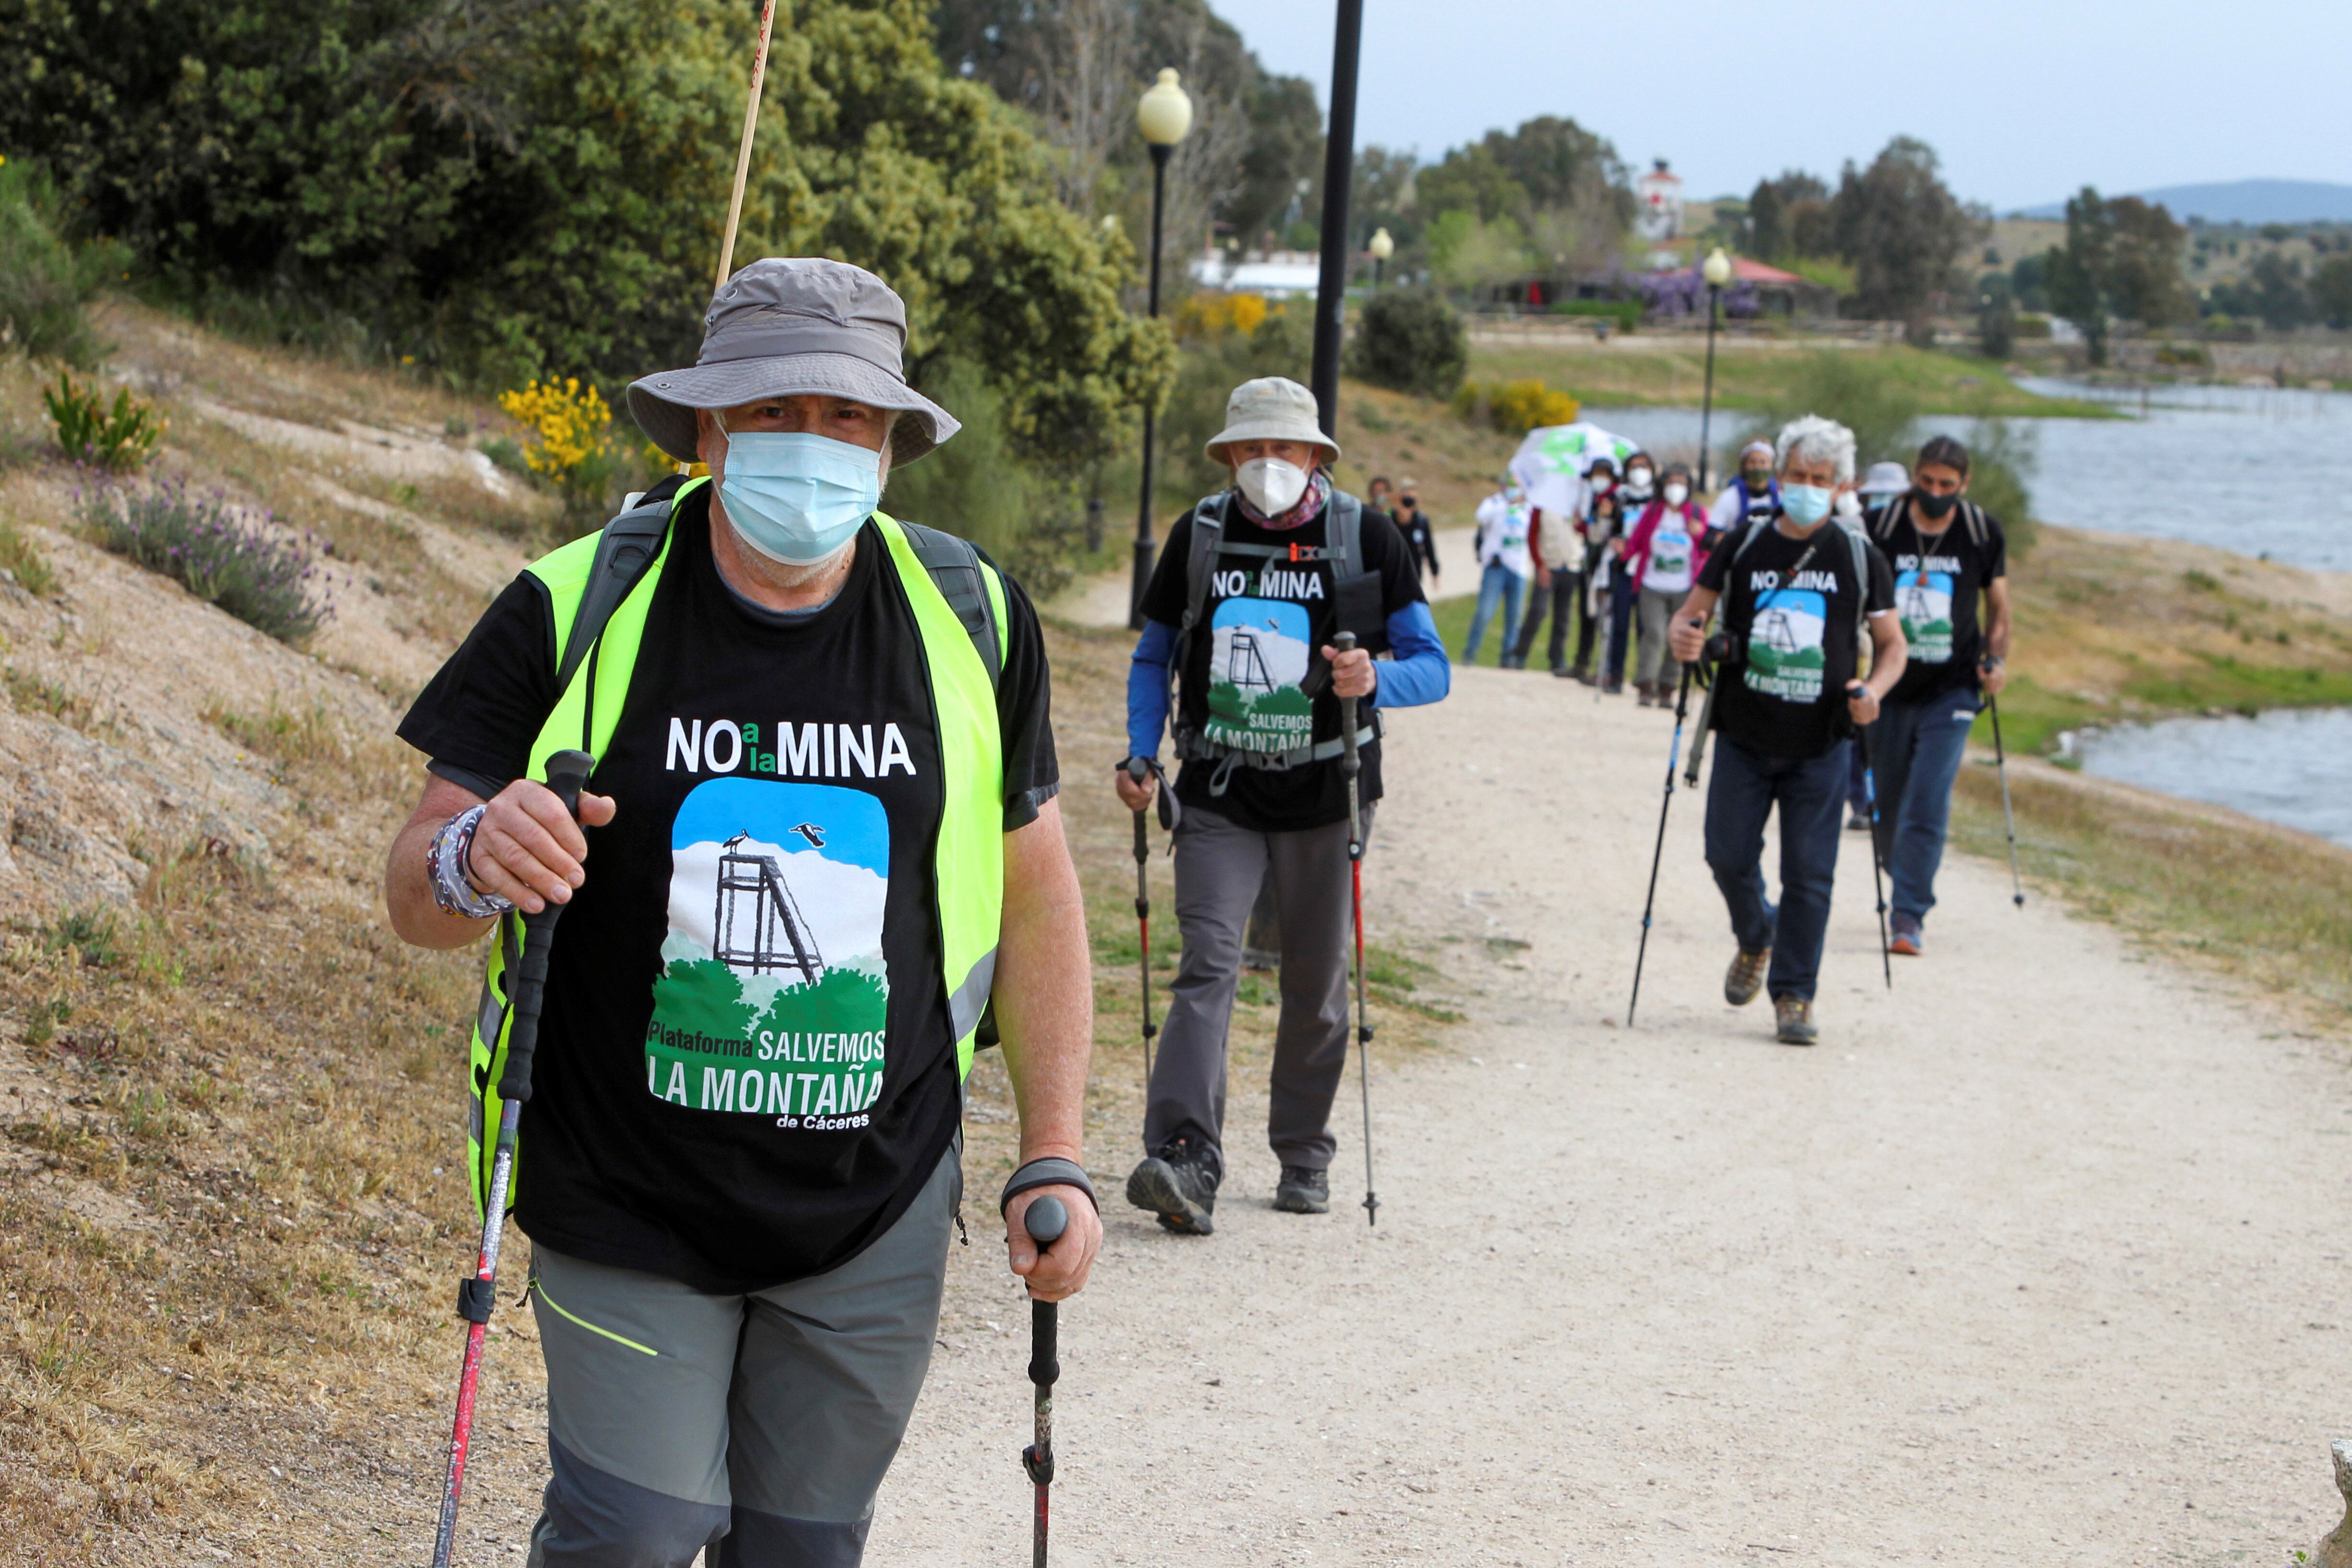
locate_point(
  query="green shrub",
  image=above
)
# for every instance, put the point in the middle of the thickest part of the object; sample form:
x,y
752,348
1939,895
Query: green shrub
x,y
1409,340
45,281
264,579
499,189
118,437
20,557
1029,522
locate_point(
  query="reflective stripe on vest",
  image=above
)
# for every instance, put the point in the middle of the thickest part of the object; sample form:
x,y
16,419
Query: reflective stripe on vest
x,y
971,842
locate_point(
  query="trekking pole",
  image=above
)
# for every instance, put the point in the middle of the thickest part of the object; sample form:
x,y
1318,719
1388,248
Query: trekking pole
x,y
1138,770
1698,742
1877,881
2008,815
743,151
1044,1219
1350,765
1673,755
567,774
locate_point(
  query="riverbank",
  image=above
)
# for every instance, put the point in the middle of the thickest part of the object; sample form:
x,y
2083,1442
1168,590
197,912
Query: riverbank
x,y
1659,369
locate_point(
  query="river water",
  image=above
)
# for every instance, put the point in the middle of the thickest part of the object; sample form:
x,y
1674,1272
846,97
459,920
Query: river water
x,y
2260,472
2265,473
2286,766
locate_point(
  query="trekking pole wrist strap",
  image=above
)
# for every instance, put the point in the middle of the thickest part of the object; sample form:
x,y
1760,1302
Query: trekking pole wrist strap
x,y
1051,1172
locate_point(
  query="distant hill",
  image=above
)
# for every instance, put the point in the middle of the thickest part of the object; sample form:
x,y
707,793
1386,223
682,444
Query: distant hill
x,y
2242,201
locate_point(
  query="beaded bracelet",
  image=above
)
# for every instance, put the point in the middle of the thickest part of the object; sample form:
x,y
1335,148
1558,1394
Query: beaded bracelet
x,y
444,869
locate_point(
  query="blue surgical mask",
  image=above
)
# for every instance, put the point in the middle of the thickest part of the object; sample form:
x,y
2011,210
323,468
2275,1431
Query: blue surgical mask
x,y
797,499
1805,504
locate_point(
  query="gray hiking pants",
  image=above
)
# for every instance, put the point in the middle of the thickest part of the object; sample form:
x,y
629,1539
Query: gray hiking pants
x,y
1219,869
762,1422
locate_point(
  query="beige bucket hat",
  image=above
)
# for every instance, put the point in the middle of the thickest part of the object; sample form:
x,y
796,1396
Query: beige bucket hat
x,y
788,325
1271,408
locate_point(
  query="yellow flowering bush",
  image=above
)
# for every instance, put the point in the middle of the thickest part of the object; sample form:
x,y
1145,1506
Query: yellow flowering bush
x,y
569,424
568,441
1515,408
1207,315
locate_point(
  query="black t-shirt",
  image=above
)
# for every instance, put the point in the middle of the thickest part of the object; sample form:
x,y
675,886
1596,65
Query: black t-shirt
x,y
1787,697
1262,624
1420,538
746,1068
1937,579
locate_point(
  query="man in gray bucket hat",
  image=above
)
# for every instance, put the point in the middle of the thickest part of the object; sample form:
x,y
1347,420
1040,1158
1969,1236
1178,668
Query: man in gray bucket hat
x,y
824,837
1239,618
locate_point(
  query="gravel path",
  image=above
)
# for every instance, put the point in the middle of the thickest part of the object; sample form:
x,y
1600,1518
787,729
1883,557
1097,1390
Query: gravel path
x,y
2036,1261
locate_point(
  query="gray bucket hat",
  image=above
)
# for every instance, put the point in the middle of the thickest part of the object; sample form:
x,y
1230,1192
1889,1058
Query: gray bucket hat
x,y
1272,408
790,325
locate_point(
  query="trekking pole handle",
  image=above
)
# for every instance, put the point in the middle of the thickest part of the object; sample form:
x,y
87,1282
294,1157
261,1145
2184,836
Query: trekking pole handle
x,y
1348,761
567,775
1138,770
1045,1220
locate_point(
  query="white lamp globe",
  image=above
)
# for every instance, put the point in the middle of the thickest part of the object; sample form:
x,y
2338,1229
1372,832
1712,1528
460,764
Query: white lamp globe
x,y
1164,113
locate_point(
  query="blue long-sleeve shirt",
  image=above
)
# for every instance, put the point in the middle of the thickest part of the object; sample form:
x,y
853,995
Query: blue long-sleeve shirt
x,y
1419,673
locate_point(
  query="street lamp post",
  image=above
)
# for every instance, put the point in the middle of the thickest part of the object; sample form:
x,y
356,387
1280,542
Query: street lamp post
x,y
1717,272
1338,168
1163,115
1381,247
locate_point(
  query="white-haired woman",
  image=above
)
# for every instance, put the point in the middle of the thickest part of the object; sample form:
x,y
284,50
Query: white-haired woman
x,y
1796,590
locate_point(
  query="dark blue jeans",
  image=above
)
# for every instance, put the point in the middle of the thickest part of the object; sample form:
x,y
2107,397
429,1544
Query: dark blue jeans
x,y
1916,749
1745,785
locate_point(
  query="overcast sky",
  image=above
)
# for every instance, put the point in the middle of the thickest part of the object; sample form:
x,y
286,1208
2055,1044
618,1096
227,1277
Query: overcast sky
x,y
2024,100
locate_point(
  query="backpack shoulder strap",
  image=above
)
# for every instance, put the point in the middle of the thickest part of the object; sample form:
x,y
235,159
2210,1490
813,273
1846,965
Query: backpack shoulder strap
x,y
1345,536
1975,516
1858,545
1208,529
962,573
627,546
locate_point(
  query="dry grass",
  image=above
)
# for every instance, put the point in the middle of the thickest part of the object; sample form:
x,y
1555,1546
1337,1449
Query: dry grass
x,y
2271,906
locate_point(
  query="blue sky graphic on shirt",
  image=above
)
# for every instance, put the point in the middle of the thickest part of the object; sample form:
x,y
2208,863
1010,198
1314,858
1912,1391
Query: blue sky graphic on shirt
x,y
1258,650
1669,571
1784,646
773,994
1925,604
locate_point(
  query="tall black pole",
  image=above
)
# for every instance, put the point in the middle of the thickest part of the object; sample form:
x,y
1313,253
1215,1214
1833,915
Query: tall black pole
x,y
1143,544
1338,168
1707,398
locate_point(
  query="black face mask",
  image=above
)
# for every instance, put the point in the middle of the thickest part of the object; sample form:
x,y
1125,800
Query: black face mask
x,y
1934,508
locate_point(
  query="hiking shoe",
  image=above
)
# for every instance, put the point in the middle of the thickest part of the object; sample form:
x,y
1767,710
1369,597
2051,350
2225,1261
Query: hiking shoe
x,y
1746,976
1643,696
1302,1191
1175,1185
1612,686
1561,672
1908,939
1793,1021
1857,822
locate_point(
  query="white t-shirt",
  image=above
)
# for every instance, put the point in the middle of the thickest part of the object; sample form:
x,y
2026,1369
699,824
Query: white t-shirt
x,y
1503,535
1669,568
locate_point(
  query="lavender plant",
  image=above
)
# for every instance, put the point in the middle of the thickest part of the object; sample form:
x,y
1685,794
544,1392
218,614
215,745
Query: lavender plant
x,y
269,580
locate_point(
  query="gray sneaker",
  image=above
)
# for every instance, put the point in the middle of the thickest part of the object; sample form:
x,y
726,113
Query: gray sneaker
x,y
1746,976
1793,1018
1176,1184
1302,1191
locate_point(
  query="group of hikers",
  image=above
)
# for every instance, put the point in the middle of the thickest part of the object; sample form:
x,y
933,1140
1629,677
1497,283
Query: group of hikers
x,y
819,861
